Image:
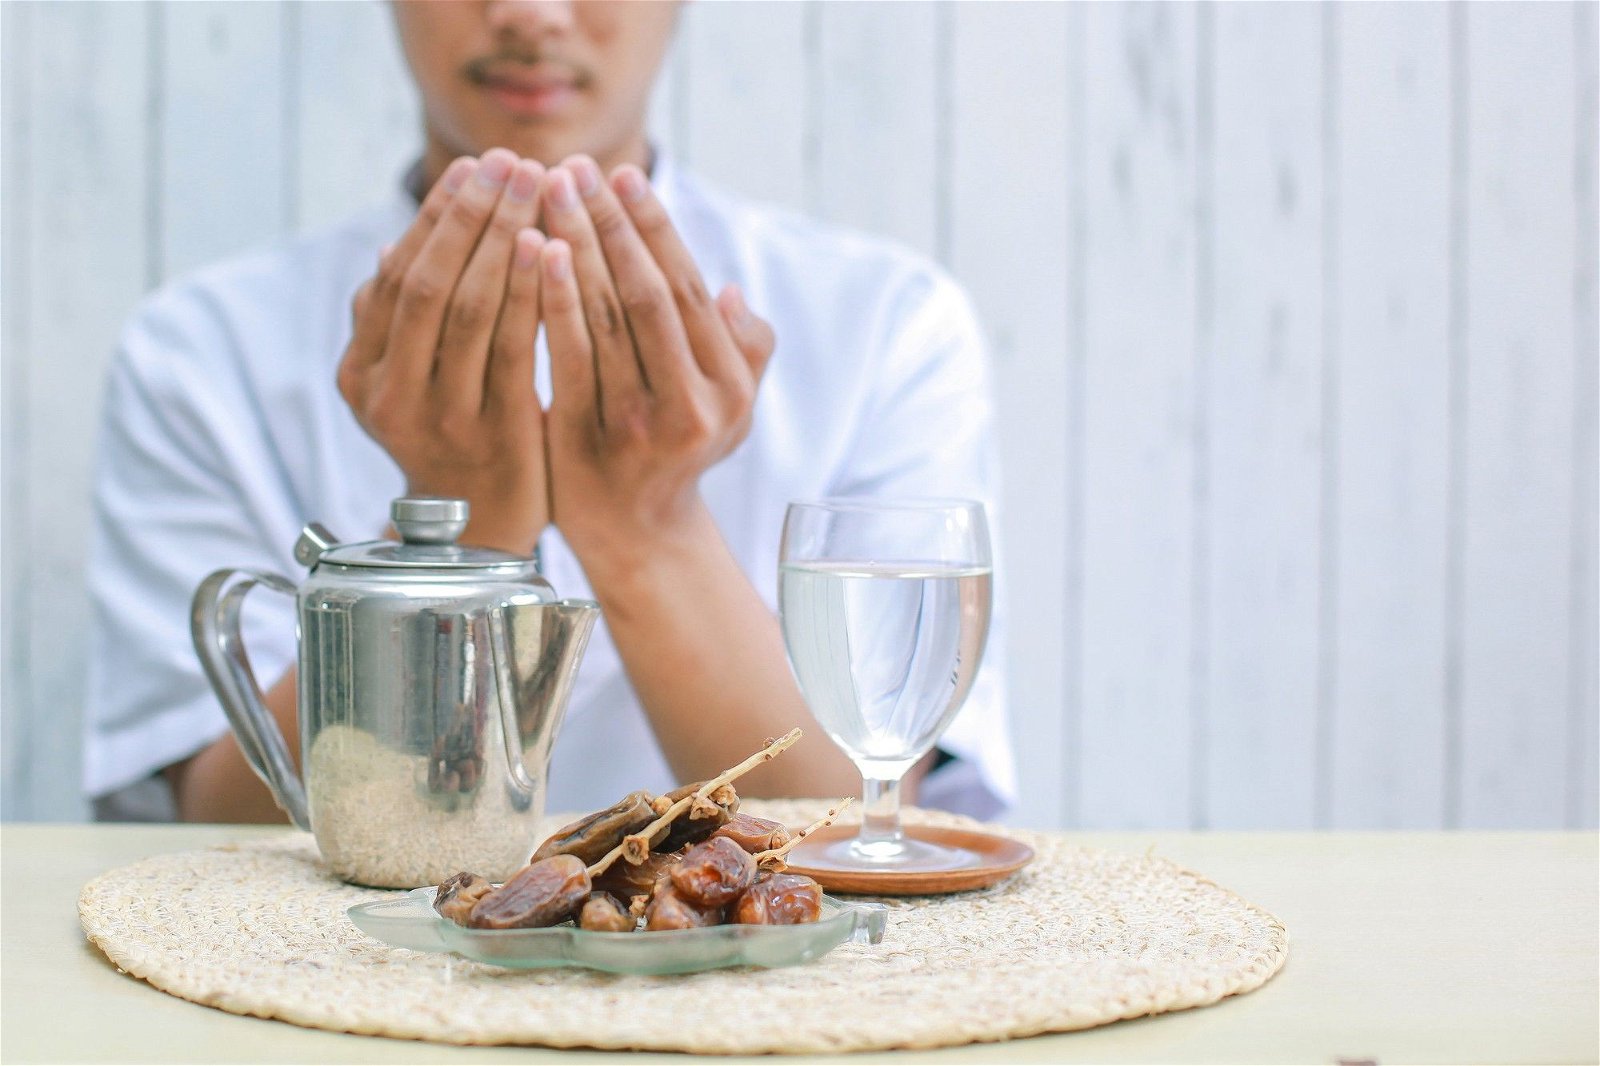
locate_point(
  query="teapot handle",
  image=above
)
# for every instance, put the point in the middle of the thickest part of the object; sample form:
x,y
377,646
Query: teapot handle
x,y
214,622
519,783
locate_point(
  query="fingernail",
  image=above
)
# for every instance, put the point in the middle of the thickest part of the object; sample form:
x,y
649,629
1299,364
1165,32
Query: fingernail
x,y
562,192
457,173
384,252
587,174
558,261
631,185
528,242
524,183
494,169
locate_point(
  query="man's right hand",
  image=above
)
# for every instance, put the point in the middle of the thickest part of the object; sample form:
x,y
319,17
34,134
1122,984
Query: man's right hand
x,y
439,370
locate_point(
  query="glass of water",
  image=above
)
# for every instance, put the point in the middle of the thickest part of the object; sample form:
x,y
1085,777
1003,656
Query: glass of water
x,y
885,611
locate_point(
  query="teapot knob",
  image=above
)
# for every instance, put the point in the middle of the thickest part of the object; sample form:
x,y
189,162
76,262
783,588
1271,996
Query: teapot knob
x,y
429,519
314,541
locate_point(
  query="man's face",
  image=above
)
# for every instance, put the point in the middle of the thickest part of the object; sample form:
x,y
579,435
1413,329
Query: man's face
x,y
544,78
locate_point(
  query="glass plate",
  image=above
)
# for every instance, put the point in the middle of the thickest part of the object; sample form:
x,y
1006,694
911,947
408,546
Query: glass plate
x,y
411,922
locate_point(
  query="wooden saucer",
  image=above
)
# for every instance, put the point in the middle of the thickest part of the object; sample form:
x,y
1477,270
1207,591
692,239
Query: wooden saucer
x,y
995,859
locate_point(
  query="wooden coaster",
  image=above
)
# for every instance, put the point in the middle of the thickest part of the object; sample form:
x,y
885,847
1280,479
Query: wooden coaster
x,y
995,858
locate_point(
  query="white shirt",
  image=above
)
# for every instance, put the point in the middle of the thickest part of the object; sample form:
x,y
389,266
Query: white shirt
x,y
223,433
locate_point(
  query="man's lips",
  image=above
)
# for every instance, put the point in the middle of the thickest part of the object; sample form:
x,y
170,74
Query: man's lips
x,y
532,93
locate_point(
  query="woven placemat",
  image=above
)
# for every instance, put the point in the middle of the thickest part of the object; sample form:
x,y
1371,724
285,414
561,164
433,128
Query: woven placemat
x,y
1080,938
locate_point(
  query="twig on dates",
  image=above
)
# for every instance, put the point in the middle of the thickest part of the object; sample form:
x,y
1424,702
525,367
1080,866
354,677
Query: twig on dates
x,y
774,859
636,846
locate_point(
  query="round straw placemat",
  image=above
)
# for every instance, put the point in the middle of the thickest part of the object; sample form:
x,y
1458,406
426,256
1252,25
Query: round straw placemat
x,y
1079,938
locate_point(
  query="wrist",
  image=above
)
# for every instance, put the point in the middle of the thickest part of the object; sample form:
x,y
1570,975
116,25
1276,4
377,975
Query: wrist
x,y
630,570
516,539
503,517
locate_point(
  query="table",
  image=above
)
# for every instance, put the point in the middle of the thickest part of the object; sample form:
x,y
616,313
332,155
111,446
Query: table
x,y
1405,947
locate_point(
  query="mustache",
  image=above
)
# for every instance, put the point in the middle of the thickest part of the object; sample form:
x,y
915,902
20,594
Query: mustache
x,y
483,69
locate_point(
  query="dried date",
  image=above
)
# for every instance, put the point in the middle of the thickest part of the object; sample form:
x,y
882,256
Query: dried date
x,y
543,893
626,880
593,835
712,874
459,894
603,913
754,834
669,910
779,899
702,820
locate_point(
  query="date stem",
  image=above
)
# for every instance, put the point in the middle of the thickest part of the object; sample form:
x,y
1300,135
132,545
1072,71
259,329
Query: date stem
x,y
636,846
774,859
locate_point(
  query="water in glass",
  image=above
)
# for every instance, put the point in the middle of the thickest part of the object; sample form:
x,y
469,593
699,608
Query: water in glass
x,y
884,652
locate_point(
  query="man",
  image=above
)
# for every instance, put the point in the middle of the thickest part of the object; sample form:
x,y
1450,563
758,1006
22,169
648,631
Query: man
x,y
653,475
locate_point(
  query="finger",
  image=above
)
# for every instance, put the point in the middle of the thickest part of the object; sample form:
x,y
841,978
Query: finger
x,y
752,335
374,308
432,208
510,378
573,395
419,312
657,329
616,364
475,305
708,335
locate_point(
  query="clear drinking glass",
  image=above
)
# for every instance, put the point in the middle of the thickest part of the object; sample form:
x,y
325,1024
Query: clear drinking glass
x,y
885,611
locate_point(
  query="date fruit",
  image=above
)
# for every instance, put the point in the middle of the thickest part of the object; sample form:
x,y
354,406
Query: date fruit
x,y
593,835
626,880
668,910
779,899
754,834
602,913
543,893
713,873
696,825
459,894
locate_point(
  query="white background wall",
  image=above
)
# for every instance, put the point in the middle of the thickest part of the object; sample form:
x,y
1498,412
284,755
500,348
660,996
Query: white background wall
x,y
1294,320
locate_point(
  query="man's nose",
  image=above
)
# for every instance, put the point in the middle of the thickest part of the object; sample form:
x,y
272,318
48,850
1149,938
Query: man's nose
x,y
529,18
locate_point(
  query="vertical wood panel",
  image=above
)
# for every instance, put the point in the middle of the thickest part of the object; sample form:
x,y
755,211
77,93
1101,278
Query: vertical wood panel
x,y
1138,466
875,119
88,78
1518,433
1583,790
1003,53
222,111
746,99
16,40
1139,223
359,122
1392,353
1263,395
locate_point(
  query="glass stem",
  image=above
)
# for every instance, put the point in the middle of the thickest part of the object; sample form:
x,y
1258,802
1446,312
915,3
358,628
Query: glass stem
x,y
880,811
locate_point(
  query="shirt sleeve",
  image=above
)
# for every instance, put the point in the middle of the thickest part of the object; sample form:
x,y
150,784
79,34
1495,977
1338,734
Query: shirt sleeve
x,y
927,430
184,484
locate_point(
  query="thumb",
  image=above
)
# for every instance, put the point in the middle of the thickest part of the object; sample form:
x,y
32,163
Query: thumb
x,y
751,333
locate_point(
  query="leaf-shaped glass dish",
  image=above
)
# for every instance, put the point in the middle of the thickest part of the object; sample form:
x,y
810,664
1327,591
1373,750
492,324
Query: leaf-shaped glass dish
x,y
410,921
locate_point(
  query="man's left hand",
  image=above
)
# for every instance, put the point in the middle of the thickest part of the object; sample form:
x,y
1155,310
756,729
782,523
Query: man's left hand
x,y
652,380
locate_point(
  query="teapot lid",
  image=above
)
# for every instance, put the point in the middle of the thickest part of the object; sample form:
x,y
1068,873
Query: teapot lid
x,y
428,528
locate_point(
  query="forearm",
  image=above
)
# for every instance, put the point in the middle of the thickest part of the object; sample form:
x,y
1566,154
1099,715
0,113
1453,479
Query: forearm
x,y
706,659
217,785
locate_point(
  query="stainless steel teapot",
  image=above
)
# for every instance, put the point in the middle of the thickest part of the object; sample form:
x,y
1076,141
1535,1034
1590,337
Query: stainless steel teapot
x,y
433,678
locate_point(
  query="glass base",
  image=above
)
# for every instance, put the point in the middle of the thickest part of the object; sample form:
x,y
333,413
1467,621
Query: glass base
x,y
905,855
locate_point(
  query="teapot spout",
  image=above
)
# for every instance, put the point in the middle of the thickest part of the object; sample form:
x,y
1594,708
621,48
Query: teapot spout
x,y
538,647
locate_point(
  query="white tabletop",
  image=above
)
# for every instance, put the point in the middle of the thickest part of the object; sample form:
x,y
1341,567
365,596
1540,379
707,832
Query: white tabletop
x,y
1404,947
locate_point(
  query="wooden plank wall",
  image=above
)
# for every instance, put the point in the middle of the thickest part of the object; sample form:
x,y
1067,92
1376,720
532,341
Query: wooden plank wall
x,y
1293,315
